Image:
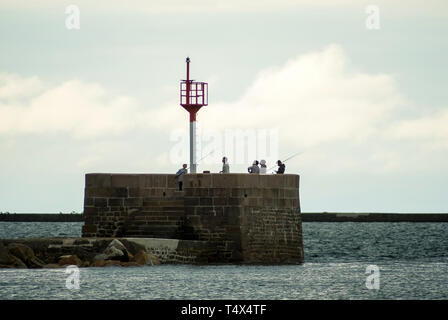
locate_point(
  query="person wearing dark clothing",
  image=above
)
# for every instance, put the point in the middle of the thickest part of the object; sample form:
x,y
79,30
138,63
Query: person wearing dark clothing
x,y
281,167
180,175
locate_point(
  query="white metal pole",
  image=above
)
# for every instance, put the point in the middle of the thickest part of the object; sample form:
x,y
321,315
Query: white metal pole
x,y
193,147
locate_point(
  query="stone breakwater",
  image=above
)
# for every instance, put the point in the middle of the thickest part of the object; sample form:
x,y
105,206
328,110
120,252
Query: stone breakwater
x,y
136,219
306,217
41,217
100,252
244,218
374,217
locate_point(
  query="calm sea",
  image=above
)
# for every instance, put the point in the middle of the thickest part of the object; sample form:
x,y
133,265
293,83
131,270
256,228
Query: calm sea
x,y
410,259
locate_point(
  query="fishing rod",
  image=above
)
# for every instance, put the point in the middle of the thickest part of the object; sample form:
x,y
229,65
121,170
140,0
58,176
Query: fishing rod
x,y
203,157
199,160
289,158
296,154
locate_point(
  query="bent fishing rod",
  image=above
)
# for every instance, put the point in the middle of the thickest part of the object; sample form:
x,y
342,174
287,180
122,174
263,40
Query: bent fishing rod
x,y
289,158
200,159
203,157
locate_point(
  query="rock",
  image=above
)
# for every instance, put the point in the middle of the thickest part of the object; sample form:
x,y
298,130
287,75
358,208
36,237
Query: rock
x,y
26,254
105,263
132,247
124,257
130,264
113,263
98,263
14,262
154,260
51,266
143,258
7,260
100,256
70,260
21,251
117,244
113,252
116,251
36,263
4,254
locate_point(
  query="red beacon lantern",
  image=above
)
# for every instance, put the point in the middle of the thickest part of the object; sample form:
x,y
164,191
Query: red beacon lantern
x,y
193,96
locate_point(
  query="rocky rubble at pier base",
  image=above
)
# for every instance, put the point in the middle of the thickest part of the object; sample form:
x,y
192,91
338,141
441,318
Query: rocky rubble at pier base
x,y
101,253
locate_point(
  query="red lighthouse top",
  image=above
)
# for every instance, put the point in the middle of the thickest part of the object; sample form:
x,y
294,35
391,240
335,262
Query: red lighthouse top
x,y
193,95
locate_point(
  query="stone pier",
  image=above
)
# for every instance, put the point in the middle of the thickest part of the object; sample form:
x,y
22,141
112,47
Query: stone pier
x,y
249,219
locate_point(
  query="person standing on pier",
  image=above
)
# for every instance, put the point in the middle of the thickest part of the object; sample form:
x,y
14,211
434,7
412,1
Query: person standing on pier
x,y
225,165
254,168
263,167
281,167
180,175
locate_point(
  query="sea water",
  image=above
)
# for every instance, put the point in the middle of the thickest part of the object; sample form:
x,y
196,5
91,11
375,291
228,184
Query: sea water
x,y
410,259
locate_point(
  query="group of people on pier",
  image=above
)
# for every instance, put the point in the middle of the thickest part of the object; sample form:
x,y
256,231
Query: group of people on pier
x,y
254,169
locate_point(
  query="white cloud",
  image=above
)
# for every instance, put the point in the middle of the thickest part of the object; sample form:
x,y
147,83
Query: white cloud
x,y
80,109
431,129
313,98
344,119
414,7
349,124
14,87
319,102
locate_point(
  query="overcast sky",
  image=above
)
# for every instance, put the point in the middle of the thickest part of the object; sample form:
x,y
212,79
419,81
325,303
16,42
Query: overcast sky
x,y
366,108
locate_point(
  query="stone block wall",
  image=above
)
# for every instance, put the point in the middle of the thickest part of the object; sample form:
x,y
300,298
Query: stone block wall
x,y
132,205
245,218
250,218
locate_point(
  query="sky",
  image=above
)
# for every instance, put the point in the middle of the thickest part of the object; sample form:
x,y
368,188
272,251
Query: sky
x,y
359,95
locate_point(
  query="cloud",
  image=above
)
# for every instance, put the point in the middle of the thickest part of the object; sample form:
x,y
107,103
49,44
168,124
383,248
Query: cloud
x,y
352,126
13,87
344,119
430,128
414,7
79,109
313,98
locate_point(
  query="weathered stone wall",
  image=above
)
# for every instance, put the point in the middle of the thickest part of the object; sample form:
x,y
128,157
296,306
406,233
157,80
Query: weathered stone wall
x,y
134,205
245,218
250,218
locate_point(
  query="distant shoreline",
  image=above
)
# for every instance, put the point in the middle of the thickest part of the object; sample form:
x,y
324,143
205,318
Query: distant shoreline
x,y
41,217
306,217
373,217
